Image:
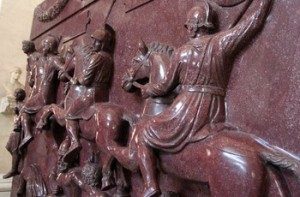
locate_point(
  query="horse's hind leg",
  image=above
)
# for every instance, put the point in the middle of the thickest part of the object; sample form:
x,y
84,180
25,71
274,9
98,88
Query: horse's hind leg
x,y
108,180
234,175
122,184
48,111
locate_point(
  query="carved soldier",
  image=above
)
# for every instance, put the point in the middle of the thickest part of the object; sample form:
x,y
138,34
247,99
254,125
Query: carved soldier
x,y
200,67
14,139
92,67
29,49
42,94
87,178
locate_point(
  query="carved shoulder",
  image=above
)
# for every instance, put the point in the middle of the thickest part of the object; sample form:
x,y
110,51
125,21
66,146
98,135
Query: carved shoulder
x,y
99,57
184,53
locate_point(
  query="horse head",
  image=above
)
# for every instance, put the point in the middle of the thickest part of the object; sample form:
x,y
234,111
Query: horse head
x,y
149,63
139,67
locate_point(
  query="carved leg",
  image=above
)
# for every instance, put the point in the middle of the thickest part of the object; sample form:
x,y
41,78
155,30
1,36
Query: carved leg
x,y
124,155
122,185
108,181
48,111
14,167
22,186
25,121
147,164
72,127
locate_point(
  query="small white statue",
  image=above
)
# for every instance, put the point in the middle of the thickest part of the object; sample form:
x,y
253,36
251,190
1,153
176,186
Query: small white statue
x,y
7,103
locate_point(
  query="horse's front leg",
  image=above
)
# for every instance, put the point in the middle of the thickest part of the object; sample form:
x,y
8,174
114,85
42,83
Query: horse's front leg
x,y
49,110
108,180
122,183
126,156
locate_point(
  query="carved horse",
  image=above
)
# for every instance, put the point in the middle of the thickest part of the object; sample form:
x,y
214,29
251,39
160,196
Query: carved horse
x,y
106,116
141,71
226,155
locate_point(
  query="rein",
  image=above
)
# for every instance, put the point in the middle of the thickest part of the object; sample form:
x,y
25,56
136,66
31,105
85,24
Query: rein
x,y
135,71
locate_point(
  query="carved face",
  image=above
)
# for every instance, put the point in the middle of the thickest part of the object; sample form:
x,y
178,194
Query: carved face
x,y
198,17
98,44
28,46
19,94
15,74
62,166
192,27
25,48
48,45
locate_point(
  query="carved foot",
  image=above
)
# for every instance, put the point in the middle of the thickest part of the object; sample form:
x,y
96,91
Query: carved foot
x,y
25,141
10,174
152,192
108,182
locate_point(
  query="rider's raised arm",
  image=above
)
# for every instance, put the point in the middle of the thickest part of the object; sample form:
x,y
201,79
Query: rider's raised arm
x,y
169,82
228,41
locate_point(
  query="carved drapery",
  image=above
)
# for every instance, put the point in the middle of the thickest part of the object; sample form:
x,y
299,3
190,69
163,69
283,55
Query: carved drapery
x,y
109,114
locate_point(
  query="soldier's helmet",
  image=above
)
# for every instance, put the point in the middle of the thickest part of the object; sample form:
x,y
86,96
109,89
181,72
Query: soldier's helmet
x,y
200,16
102,35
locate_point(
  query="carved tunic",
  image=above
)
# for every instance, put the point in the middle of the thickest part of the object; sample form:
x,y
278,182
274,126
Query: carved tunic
x,y
45,71
32,61
93,72
199,67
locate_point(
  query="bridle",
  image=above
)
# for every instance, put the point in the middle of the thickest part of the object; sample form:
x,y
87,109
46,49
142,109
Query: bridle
x,y
132,72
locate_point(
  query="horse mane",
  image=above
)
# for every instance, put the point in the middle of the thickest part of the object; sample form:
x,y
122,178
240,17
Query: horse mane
x,y
161,48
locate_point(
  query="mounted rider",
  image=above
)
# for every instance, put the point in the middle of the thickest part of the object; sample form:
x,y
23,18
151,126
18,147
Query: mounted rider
x,y
201,68
44,72
92,67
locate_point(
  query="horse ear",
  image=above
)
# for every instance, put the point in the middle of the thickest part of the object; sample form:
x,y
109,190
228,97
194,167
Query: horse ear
x,y
143,47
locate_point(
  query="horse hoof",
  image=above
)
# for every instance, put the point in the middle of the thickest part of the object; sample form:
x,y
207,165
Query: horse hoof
x,y
107,183
152,192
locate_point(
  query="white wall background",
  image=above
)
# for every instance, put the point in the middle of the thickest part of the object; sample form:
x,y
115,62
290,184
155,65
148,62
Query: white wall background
x,y
15,26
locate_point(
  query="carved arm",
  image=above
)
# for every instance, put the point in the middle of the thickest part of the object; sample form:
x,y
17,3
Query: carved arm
x,y
228,41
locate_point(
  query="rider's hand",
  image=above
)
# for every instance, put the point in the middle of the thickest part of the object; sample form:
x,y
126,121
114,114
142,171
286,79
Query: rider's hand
x,y
145,91
74,81
127,82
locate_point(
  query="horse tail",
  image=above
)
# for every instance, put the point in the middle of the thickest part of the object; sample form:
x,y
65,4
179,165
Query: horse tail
x,y
282,159
278,181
